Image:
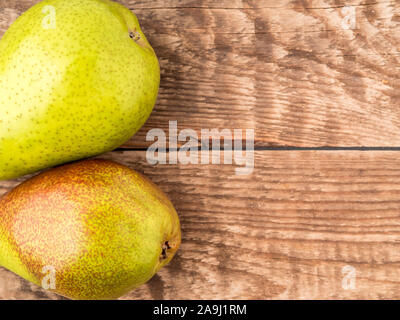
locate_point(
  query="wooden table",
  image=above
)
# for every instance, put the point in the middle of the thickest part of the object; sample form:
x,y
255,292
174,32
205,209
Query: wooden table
x,y
318,81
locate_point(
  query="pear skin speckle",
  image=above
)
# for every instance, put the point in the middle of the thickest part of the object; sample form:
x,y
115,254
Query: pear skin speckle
x,y
73,83
104,228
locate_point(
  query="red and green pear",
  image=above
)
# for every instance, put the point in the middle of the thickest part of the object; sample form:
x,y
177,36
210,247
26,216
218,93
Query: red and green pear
x,y
101,227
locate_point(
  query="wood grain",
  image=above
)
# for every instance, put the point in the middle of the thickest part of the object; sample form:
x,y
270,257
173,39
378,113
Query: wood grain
x,y
287,69
292,74
284,232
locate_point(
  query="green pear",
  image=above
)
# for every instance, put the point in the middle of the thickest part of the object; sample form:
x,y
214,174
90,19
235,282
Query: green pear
x,y
77,78
97,227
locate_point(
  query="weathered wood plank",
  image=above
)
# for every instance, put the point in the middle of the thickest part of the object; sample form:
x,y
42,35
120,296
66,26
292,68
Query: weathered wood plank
x,y
296,76
284,232
291,70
